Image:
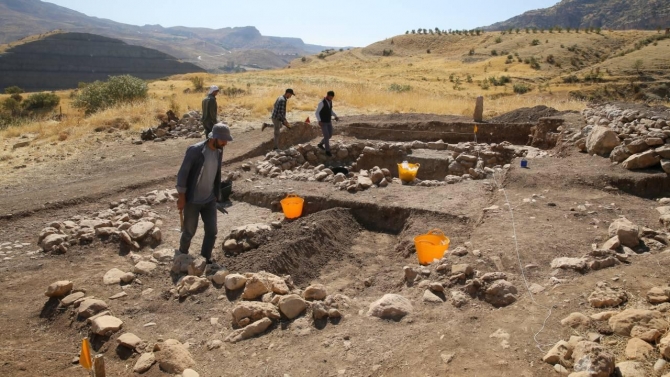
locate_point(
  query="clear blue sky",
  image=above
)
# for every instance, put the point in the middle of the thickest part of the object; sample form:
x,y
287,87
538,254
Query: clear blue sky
x,y
329,23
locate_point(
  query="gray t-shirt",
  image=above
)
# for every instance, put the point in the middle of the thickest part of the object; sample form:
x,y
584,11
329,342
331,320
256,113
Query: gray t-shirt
x,y
204,190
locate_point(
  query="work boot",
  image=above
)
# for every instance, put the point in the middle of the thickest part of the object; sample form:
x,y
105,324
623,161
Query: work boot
x,y
320,146
329,154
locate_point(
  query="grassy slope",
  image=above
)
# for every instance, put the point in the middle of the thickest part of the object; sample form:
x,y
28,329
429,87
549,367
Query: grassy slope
x,y
361,79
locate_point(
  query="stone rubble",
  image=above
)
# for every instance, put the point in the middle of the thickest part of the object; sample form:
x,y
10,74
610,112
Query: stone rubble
x,y
189,126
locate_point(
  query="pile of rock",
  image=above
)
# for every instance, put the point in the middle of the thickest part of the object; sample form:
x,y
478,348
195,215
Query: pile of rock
x,y
133,222
267,298
464,282
633,139
625,237
189,126
245,238
664,211
590,355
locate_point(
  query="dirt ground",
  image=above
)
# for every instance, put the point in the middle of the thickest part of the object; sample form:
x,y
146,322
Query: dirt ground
x,y
348,242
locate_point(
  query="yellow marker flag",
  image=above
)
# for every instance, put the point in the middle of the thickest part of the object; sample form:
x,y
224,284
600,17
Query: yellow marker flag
x,y
475,128
85,356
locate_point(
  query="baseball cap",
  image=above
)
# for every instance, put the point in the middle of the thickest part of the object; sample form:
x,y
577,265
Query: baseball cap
x,y
290,91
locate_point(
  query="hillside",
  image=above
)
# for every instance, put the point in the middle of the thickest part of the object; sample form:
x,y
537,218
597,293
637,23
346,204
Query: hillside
x,y
610,14
62,60
207,48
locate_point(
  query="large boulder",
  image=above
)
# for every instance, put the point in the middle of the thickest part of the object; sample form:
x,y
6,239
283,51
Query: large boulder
x,y
391,306
642,160
626,231
173,357
601,141
593,358
623,322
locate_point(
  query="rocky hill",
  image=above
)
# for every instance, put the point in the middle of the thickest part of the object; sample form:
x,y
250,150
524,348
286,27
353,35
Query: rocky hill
x,y
611,14
62,60
208,48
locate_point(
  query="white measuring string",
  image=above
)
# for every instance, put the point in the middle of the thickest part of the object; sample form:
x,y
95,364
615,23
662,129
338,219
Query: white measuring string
x,y
523,274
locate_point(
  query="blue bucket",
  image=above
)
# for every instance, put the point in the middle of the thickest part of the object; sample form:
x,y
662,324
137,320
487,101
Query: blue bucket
x,y
524,163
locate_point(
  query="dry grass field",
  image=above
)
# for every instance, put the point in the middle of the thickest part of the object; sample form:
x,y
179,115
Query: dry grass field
x,y
423,74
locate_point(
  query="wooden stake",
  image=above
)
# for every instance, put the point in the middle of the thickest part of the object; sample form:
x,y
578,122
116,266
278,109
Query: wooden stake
x,y
99,366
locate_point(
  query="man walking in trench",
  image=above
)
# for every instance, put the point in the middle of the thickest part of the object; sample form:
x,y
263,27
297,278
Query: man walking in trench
x,y
279,115
199,188
325,114
209,109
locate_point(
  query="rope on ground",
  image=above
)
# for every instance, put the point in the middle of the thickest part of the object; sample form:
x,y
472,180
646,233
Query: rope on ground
x,y
523,273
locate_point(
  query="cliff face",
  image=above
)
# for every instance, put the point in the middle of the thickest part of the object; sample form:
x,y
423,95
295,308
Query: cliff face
x,y
61,61
612,14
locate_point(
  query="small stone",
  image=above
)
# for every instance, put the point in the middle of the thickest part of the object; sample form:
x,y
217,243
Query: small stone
x,y
292,306
59,288
106,325
189,373
391,306
576,320
234,282
214,344
144,363
71,298
430,297
315,292
118,296
638,349
219,277
129,340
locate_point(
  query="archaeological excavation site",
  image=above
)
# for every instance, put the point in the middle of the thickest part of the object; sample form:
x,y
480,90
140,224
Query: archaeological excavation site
x,y
534,244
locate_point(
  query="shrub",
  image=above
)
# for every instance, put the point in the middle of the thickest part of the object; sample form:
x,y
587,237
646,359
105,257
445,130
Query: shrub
x,y
13,90
535,42
498,40
385,53
534,63
499,81
571,79
485,85
399,88
494,52
198,82
103,94
304,59
11,105
550,59
472,51
521,88
16,97
468,78
428,51
232,91
39,102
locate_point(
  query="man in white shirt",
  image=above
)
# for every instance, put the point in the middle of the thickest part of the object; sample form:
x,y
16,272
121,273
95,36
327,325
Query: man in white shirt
x,y
325,114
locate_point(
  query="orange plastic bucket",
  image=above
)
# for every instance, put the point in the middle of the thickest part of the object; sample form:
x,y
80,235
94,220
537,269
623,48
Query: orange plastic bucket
x,y
431,246
408,173
292,206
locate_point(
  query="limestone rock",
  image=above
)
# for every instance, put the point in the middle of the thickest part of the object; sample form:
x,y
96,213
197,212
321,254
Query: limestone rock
x,y
129,340
90,307
315,292
71,298
559,354
593,358
363,182
164,255
500,293
219,277
254,311
664,346
601,141
603,316
144,363
576,320
606,297
638,349
197,266
140,229
642,160
254,288
319,311
665,165
250,331
144,268
292,306
646,334
626,231
234,282
106,325
189,285
181,263
619,154
390,306
658,295
173,357
52,240
623,322
59,288
458,298
565,263
113,276
190,373
631,369
430,297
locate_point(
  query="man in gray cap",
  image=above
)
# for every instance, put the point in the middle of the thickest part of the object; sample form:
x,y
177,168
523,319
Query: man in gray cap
x,y
199,188
209,109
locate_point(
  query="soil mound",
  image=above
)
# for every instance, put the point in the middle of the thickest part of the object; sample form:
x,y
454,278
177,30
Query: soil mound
x,y
303,247
526,115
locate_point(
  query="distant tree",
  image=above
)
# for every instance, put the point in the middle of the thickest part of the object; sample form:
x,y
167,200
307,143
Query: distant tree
x,y
542,30
437,30
413,31
577,30
472,52
14,90
407,32
567,29
534,30
517,30
638,66
478,31
559,29
431,31
527,30
12,106
658,30
39,102
598,30
428,51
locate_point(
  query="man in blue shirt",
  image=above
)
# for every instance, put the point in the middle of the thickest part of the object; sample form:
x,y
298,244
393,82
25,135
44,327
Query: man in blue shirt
x,y
199,188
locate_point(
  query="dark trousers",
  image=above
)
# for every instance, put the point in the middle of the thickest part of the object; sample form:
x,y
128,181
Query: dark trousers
x,y
208,127
327,130
208,213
